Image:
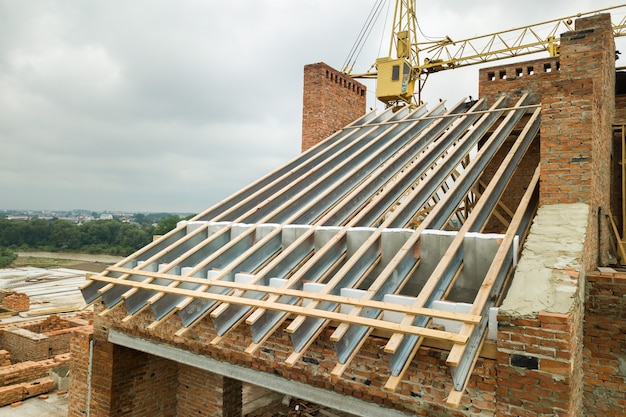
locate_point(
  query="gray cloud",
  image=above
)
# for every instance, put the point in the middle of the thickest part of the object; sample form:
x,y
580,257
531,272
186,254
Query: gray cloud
x,y
172,106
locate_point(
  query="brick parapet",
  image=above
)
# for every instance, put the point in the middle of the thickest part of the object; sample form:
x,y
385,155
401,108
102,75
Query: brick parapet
x,y
516,79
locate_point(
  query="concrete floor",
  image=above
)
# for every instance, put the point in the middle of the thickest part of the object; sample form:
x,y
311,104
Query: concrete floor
x,y
54,406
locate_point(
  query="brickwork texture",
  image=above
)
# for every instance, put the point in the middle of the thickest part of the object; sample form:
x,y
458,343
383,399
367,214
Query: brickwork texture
x,y
331,100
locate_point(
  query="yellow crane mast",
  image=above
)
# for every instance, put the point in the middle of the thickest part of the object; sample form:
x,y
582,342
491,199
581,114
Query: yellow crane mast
x,y
401,70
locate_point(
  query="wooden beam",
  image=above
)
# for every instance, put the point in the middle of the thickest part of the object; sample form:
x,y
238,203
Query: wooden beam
x,y
401,328
357,302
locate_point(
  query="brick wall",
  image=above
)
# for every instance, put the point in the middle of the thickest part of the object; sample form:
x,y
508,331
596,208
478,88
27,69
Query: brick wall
x,y
422,392
604,361
194,399
18,392
537,371
620,108
40,339
331,100
577,111
518,78
26,345
30,370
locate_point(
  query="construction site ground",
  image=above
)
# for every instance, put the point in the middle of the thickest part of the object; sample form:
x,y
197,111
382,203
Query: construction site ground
x,y
53,404
257,401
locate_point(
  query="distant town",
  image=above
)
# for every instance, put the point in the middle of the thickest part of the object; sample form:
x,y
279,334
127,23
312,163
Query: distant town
x,y
80,216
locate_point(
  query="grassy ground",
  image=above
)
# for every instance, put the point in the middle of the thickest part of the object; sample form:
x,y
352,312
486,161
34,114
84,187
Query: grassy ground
x,y
48,263
23,261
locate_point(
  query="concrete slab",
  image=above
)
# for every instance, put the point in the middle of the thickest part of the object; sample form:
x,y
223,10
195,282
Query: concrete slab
x,y
54,406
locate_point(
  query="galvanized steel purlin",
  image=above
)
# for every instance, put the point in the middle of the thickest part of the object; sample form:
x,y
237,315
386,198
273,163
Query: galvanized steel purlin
x,y
335,217
401,351
345,180
265,194
254,192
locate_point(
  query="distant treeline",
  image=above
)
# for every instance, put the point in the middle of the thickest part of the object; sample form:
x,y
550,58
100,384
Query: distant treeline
x,y
112,237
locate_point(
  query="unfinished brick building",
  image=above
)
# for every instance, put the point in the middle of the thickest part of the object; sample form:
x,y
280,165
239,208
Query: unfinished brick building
x,y
378,272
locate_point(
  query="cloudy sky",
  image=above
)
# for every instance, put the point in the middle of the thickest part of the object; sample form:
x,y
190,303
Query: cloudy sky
x,y
155,105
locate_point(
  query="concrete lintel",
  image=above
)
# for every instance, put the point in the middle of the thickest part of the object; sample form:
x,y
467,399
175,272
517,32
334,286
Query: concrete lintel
x,y
275,383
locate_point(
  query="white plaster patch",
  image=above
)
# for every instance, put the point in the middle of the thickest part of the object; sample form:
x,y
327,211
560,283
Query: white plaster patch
x,y
545,278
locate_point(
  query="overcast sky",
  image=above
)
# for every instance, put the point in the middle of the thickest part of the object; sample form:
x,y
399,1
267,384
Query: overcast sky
x,y
153,105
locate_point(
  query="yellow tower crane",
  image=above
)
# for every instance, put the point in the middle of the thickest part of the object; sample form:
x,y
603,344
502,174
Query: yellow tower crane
x,y
401,71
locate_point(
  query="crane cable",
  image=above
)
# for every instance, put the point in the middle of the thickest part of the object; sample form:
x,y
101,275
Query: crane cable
x,y
361,39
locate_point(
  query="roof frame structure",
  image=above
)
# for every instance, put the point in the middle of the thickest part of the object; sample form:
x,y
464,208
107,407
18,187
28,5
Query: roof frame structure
x,y
324,240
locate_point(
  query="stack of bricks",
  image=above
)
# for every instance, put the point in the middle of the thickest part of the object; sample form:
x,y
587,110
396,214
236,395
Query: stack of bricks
x,y
13,393
17,302
5,358
54,323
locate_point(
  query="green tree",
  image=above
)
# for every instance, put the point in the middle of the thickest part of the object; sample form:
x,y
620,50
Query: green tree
x,y
166,224
64,235
6,257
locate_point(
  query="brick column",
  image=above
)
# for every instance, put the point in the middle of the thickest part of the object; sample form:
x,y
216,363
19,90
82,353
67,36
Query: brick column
x,y
331,100
79,372
203,393
124,382
576,129
538,369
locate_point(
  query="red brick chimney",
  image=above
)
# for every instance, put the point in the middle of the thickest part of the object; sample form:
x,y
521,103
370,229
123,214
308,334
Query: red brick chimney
x,y
331,100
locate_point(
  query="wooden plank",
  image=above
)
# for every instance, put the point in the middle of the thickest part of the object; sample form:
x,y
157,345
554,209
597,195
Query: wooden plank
x,y
457,242
357,302
485,289
618,239
454,398
400,328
